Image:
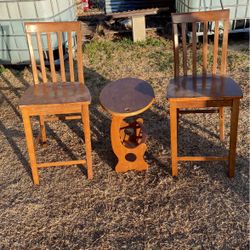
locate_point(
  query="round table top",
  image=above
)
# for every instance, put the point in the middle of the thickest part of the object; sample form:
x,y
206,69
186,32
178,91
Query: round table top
x,y
127,96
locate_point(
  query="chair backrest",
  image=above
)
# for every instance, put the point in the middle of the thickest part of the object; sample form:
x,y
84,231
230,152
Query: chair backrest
x,y
41,34
215,19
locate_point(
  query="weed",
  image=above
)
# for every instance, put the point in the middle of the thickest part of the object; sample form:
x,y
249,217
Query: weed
x,y
2,69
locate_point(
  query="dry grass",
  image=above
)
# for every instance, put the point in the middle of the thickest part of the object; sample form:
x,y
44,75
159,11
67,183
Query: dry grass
x,y
201,209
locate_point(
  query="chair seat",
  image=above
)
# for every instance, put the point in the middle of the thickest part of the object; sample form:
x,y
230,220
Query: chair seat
x,y
213,87
55,93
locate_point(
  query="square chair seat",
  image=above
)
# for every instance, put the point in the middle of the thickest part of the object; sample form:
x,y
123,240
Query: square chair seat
x,y
213,87
55,93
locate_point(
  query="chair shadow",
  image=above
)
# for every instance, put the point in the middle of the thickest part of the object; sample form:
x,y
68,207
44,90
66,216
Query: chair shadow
x,y
99,120
189,141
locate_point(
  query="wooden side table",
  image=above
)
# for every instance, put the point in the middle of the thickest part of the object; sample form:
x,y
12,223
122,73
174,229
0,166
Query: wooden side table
x,y
125,98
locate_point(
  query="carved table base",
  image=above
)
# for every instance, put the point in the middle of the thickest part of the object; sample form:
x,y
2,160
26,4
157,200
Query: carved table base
x,y
128,143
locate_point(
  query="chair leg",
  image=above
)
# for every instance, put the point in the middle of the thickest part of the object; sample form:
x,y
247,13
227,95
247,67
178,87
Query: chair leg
x,y
86,128
221,123
42,129
173,133
233,136
30,146
178,120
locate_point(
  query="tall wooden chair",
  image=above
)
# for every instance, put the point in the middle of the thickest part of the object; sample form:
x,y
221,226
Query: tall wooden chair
x,y
197,93
63,97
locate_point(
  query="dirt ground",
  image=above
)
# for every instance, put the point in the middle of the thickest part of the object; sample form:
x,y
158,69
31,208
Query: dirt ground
x,y
201,209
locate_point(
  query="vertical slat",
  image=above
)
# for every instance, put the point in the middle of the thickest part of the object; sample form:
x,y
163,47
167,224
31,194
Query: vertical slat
x,y
224,48
80,57
62,67
216,44
176,50
184,47
204,49
33,60
194,41
40,50
51,58
71,66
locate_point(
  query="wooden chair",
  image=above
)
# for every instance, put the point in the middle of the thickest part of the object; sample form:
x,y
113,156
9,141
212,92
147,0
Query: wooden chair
x,y
196,94
59,97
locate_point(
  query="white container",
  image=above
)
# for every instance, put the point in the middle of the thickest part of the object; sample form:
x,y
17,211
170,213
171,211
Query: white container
x,y
239,10
13,14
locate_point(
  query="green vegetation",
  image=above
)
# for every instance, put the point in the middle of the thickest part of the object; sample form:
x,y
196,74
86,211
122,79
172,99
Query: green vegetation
x,y
154,54
2,69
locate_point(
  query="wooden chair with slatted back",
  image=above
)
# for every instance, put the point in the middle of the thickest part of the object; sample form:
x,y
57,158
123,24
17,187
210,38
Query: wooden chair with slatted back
x,y
59,96
193,93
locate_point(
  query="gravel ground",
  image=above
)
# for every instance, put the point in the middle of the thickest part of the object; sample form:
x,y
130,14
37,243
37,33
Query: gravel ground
x,y
201,209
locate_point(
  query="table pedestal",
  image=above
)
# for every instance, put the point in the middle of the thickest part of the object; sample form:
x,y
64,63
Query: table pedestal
x,y
128,143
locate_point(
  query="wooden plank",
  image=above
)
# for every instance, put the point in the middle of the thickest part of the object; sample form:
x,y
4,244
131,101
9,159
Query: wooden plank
x,y
51,59
215,50
152,11
224,48
204,49
201,16
202,158
71,65
60,163
33,60
79,57
42,63
191,103
184,47
195,111
61,57
32,27
194,50
63,118
176,50
139,28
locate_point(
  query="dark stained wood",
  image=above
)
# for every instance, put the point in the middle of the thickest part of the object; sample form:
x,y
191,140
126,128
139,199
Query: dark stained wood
x,y
55,94
124,98
210,86
194,50
194,18
184,48
188,94
216,45
127,96
57,98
